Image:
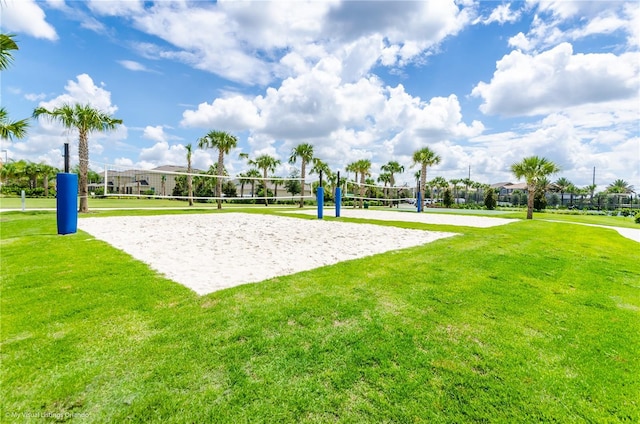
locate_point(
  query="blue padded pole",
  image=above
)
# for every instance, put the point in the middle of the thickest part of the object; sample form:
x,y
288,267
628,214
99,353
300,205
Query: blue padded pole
x,y
320,198
67,203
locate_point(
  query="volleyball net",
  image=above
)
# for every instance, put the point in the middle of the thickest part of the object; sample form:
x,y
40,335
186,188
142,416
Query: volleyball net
x,y
172,182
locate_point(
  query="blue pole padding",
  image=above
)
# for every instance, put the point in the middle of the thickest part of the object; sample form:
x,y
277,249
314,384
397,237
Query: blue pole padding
x,y
67,203
338,201
419,201
320,197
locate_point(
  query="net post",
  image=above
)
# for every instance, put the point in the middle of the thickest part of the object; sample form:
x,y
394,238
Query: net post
x,y
338,199
320,199
66,158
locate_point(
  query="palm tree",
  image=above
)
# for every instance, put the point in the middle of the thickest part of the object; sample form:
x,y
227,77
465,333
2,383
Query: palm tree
x,y
362,167
562,185
533,169
352,167
591,188
477,186
189,148
582,192
320,166
372,191
455,183
303,151
47,172
251,175
9,129
572,190
224,142
425,157
392,168
440,183
619,187
12,129
32,170
242,178
385,178
332,179
163,182
468,182
266,163
85,119
277,181
7,44
8,171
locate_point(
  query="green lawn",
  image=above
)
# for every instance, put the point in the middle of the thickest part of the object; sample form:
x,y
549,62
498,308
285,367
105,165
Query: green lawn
x,y
526,322
97,203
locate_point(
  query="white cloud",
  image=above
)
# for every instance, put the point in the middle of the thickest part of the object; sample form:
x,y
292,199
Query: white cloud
x,y
234,113
345,121
25,16
502,14
189,29
49,136
559,21
154,133
132,65
262,40
521,42
83,91
557,79
577,146
116,7
33,97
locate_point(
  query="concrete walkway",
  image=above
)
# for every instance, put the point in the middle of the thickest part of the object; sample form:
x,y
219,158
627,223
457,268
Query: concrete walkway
x,y
630,233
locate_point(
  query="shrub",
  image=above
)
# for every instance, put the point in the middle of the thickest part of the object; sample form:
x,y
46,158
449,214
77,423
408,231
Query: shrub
x,y
490,199
447,199
637,218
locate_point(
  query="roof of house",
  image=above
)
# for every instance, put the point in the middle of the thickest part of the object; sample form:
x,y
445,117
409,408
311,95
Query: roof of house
x,y
500,185
518,186
173,168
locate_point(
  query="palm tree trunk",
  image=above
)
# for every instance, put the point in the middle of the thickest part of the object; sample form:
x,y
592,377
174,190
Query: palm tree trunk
x,y
302,172
361,190
264,182
45,183
531,194
423,184
83,153
355,178
219,182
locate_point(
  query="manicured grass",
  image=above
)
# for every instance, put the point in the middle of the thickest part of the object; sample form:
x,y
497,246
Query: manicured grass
x,y
520,323
108,202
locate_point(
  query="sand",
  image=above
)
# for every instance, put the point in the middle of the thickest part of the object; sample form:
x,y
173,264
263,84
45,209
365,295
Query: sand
x,y
210,252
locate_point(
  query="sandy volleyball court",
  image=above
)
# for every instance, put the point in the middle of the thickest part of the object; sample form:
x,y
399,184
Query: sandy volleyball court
x,y
209,252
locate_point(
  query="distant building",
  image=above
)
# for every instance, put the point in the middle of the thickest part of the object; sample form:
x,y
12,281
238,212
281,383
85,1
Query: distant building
x,y
161,181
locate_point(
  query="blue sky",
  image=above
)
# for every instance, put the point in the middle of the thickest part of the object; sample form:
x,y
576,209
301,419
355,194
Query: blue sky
x,y
483,84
